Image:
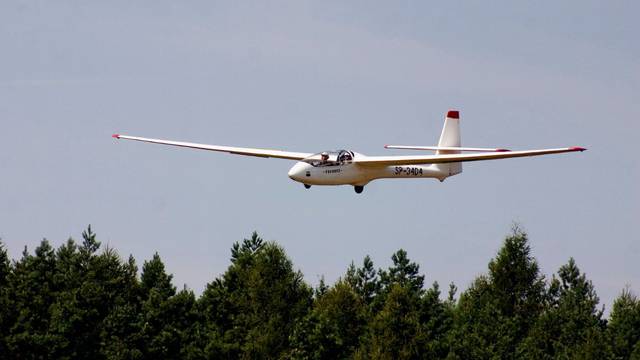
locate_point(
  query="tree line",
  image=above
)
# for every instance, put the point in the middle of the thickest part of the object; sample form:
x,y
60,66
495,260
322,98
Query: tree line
x,y
78,301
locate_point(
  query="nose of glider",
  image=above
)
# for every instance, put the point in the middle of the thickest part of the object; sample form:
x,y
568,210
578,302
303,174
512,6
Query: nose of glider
x,y
297,171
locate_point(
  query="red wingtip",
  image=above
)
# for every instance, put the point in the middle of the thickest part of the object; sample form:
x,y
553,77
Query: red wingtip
x,y
117,136
577,148
453,114
386,146
502,150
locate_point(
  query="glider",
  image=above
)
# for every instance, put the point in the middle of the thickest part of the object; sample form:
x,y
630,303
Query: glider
x,y
345,167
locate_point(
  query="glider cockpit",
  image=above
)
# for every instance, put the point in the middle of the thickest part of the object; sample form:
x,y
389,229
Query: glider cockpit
x,y
330,158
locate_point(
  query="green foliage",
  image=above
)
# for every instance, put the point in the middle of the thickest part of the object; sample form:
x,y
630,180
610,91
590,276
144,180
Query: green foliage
x,y
6,315
571,326
155,280
364,280
332,329
403,272
33,289
395,332
168,326
624,326
437,319
81,301
516,281
251,310
498,310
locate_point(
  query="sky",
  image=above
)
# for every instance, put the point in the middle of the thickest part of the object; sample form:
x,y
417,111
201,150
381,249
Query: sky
x,y
309,76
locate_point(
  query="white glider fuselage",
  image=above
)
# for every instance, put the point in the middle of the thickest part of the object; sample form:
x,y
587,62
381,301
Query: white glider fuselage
x,y
351,173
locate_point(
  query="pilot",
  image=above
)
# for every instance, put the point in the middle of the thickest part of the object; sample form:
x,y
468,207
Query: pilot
x,y
324,157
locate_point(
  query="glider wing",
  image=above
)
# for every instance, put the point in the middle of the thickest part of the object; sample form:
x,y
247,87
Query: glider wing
x,y
451,158
266,153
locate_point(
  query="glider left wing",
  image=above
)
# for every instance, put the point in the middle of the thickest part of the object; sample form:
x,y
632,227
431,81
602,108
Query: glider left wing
x,y
228,149
449,158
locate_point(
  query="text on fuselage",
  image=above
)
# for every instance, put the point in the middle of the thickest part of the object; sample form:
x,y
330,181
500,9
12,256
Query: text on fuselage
x,y
407,170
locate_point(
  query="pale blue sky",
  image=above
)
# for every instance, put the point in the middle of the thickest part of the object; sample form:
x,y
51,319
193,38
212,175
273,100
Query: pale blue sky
x,y
310,76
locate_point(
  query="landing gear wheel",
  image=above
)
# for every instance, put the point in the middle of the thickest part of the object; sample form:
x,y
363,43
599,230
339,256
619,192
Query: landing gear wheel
x,y
306,186
358,189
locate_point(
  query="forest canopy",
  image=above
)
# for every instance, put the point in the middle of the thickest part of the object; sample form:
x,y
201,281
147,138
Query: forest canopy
x,y
81,301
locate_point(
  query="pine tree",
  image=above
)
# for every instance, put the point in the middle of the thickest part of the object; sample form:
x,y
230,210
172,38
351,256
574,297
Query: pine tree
x,y
624,325
89,245
517,283
120,336
169,325
106,285
572,326
407,321
368,284
403,272
396,331
321,289
497,311
5,267
6,313
154,277
436,317
33,290
479,327
251,309
333,328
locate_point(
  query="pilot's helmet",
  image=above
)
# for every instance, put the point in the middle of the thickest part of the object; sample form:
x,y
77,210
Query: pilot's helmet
x,y
324,155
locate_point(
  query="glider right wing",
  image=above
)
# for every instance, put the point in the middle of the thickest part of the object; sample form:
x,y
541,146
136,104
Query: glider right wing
x,y
451,158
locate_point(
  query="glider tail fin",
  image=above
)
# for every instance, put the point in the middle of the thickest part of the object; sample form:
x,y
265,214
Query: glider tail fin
x,y
450,137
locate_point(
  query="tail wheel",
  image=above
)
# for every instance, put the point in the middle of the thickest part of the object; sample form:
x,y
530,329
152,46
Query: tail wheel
x,y
307,186
358,189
